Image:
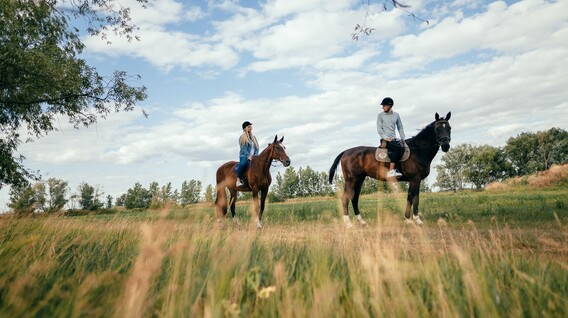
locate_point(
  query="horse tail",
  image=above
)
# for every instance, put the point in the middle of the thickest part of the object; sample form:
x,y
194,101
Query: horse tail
x,y
334,166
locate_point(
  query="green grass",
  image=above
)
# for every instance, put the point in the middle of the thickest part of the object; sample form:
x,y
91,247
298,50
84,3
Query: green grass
x,y
480,254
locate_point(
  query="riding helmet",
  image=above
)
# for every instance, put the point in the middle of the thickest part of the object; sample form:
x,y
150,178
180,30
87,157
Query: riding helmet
x,y
387,101
246,123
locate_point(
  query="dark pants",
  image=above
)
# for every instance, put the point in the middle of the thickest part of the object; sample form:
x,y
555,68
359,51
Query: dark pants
x,y
243,163
395,149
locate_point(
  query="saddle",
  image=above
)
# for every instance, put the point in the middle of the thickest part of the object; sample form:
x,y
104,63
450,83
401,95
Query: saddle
x,y
382,153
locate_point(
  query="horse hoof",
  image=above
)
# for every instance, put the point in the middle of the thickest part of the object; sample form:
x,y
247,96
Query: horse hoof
x,y
408,221
258,225
360,220
348,225
418,220
236,222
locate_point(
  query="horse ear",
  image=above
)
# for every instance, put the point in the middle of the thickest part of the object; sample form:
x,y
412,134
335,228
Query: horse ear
x,y
437,117
275,138
282,139
448,115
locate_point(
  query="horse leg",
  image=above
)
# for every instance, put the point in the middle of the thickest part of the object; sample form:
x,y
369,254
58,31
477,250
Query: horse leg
x,y
412,201
221,203
355,200
263,195
232,204
256,209
348,194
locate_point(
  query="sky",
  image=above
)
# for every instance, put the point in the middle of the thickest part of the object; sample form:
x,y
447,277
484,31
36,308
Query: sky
x,y
292,68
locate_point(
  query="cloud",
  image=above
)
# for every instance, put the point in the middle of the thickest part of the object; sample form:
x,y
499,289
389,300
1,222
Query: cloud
x,y
195,13
278,35
501,28
156,13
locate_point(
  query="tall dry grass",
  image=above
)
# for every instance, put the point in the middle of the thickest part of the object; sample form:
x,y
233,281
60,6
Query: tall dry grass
x,y
557,174
174,263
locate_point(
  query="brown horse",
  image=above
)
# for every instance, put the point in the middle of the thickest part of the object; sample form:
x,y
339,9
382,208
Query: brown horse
x,y
258,176
359,162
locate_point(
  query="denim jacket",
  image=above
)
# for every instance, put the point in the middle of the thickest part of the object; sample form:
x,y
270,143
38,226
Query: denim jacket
x,y
247,147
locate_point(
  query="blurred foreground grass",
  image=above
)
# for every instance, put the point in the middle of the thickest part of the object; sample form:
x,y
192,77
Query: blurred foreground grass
x,y
480,254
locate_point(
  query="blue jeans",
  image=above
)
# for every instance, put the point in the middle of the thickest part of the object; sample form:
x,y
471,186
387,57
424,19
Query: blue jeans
x,y
243,162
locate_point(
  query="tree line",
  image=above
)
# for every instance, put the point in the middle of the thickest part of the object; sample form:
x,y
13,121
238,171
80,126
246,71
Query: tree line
x,y
54,195
470,166
464,166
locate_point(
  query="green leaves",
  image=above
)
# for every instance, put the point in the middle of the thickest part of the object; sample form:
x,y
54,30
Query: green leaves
x,y
532,152
524,154
42,77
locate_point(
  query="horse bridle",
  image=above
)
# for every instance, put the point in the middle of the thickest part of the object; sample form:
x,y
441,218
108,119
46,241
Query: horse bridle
x,y
278,159
444,139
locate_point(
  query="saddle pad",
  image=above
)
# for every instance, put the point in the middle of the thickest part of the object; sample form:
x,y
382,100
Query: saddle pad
x,y
381,154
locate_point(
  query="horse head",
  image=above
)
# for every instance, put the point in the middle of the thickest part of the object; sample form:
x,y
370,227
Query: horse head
x,y
443,131
278,151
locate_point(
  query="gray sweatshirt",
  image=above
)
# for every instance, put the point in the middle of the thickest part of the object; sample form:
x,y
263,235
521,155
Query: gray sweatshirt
x,y
386,124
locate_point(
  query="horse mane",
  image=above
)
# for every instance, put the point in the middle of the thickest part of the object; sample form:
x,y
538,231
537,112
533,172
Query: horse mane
x,y
264,150
422,134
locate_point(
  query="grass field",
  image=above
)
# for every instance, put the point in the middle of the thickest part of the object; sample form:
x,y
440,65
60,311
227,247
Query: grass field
x,y
480,254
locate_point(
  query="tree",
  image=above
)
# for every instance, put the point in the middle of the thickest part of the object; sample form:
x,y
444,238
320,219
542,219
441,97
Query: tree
x,y
89,197
451,172
370,185
40,196
176,196
43,196
486,164
209,193
154,189
287,185
137,197
553,147
531,152
56,190
109,201
308,182
22,200
326,189
42,77
190,192
166,193
557,147
120,200
522,152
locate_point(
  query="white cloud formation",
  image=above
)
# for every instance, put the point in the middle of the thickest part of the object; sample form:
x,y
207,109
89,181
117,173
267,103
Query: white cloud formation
x,y
504,29
195,13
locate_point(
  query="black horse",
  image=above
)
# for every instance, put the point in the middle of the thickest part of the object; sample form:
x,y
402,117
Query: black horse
x,y
359,162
